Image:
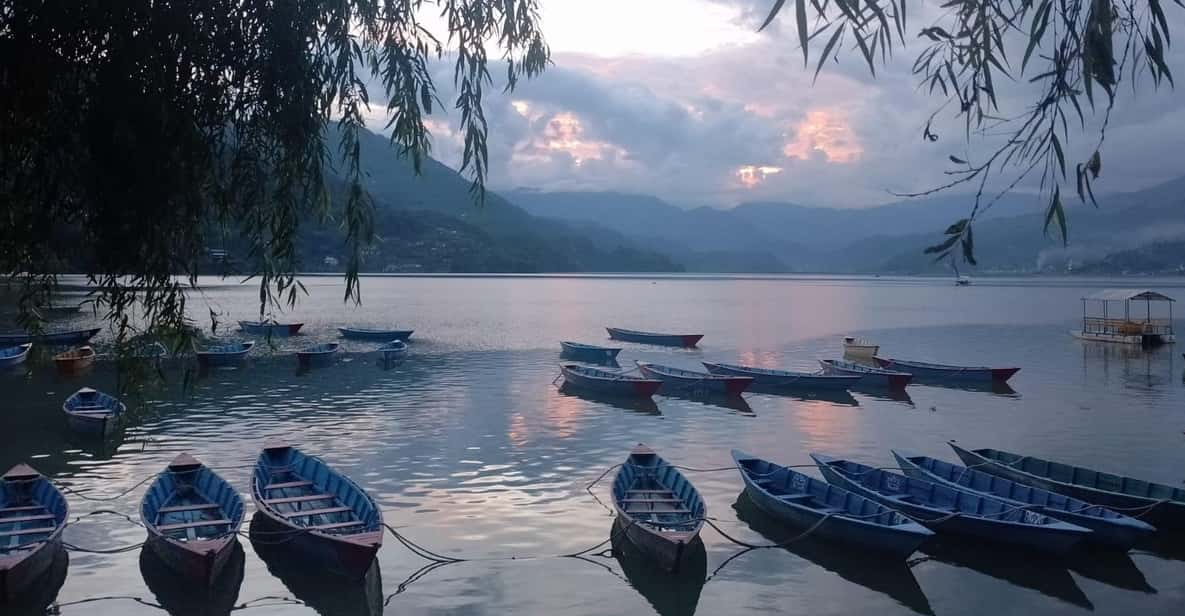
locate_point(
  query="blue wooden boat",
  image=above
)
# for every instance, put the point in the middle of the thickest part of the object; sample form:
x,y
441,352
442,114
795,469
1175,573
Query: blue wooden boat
x,y
32,517
1155,503
317,354
76,336
227,354
1109,528
631,335
384,335
678,380
588,352
14,355
193,517
93,412
879,377
608,382
270,328
58,312
801,501
658,510
944,509
393,350
943,372
786,379
324,515
74,361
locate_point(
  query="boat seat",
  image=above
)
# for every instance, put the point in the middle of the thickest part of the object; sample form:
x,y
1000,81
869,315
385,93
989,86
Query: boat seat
x,y
831,510
312,512
197,524
336,525
638,512
297,499
651,500
98,410
796,498
21,509
288,484
28,518
28,531
198,507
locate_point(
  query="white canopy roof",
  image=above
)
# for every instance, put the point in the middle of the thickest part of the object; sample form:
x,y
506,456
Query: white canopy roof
x,y
1122,295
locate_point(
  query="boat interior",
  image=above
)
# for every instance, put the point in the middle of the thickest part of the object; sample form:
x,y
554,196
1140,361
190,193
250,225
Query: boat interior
x,y
655,494
799,489
306,493
30,510
1077,475
188,502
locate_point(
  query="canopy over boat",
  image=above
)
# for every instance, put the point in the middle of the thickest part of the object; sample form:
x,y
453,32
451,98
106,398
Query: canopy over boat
x,y
1107,325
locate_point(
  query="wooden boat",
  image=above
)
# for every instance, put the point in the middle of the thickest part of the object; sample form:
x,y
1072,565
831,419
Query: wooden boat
x,y
1109,528
58,312
679,380
317,354
362,333
786,379
193,517
93,412
14,355
270,328
77,336
678,340
658,510
227,354
857,347
32,517
944,372
588,352
879,377
321,512
608,382
74,360
393,350
798,500
948,510
1158,504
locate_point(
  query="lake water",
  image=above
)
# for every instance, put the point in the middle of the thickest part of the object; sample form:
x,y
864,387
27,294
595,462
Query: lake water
x,y
474,453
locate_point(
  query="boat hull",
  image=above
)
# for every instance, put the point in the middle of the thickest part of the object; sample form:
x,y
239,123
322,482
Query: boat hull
x,y
347,555
385,335
202,562
871,379
17,357
73,365
706,384
641,388
949,373
1058,540
56,338
97,426
310,359
675,340
18,575
668,552
804,381
274,330
591,354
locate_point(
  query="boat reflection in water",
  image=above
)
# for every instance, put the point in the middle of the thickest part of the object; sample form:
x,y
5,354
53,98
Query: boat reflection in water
x,y
328,595
840,397
894,395
38,597
671,594
636,404
180,597
888,577
997,388
724,401
1047,575
1109,567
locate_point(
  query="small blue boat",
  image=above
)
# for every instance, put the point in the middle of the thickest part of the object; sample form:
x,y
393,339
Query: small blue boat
x,y
317,354
93,412
680,381
876,377
588,352
319,512
658,510
77,336
384,335
1108,527
608,382
786,379
1158,504
942,372
228,354
270,328
193,517
14,355
394,350
944,509
660,339
801,501
32,517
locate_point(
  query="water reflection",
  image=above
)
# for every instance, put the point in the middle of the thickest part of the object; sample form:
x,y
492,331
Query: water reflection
x,y
841,397
1045,575
180,597
892,578
882,393
37,598
736,404
329,595
988,387
635,404
671,594
1110,567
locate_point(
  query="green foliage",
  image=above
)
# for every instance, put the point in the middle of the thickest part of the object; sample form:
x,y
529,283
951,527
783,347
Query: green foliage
x,y
1074,47
149,128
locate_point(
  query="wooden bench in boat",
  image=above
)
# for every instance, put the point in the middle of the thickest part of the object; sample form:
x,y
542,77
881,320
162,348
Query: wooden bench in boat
x,y
297,499
93,411
659,491
335,525
197,524
288,484
197,507
20,509
27,518
28,531
636,512
796,498
651,500
307,513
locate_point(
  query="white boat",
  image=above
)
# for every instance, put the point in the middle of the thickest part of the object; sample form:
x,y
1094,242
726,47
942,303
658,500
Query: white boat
x,y
859,347
1126,327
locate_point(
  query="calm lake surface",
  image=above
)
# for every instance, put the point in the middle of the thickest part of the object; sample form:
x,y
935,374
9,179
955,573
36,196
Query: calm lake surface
x,y
473,452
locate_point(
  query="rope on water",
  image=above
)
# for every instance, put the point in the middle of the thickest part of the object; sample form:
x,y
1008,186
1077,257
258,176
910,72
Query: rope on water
x,y
753,546
103,512
65,488
119,550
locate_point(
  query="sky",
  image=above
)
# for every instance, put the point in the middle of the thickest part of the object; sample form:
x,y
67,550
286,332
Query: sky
x,y
685,100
